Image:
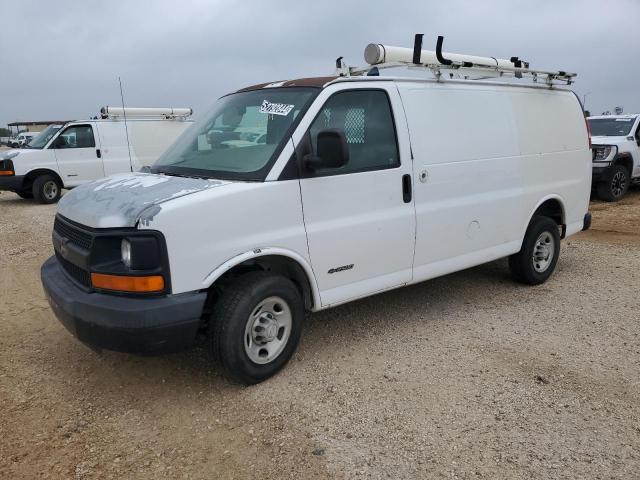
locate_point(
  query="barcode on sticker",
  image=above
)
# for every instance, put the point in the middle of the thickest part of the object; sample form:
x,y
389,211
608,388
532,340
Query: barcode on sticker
x,y
275,108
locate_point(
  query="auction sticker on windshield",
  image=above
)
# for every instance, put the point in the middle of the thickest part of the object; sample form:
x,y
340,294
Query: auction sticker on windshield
x,y
275,108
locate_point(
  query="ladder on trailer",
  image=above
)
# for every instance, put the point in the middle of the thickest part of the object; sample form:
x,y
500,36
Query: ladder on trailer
x,y
439,63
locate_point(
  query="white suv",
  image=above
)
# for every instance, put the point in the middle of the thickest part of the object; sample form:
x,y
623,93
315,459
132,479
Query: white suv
x,y
361,185
616,154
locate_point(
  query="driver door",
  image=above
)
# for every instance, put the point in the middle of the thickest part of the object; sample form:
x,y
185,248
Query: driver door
x,y
360,217
78,154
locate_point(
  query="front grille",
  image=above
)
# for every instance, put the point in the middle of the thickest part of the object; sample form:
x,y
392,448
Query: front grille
x,y
78,274
80,238
77,236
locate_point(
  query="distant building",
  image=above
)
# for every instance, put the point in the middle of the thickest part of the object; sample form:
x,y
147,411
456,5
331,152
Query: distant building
x,y
38,126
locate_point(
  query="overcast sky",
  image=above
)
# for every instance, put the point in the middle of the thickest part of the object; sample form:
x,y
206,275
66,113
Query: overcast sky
x,y
61,59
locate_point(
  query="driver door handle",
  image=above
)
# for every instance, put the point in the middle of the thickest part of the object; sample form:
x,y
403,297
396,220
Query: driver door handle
x,y
406,188
98,153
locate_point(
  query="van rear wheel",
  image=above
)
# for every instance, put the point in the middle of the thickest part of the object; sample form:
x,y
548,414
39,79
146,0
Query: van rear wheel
x,y
536,260
47,189
255,326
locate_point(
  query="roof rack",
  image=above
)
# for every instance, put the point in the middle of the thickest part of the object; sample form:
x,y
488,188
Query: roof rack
x,y
469,67
142,112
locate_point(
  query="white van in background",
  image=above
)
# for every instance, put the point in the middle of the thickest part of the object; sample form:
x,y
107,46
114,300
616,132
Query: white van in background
x,y
22,139
85,150
361,184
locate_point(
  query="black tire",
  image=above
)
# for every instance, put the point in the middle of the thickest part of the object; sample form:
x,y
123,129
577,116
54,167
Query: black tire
x,y
615,186
523,265
46,189
26,194
234,312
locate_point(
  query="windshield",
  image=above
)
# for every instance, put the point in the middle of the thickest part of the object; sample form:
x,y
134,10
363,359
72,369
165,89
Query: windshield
x,y
239,137
40,140
611,127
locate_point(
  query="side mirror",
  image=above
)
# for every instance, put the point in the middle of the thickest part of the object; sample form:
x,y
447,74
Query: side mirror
x,y
332,148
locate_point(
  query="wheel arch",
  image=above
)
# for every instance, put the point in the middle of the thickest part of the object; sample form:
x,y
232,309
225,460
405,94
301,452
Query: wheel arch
x,y
30,177
278,260
551,206
626,160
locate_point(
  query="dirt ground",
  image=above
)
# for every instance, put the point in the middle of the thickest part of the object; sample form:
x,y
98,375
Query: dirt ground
x,y
466,376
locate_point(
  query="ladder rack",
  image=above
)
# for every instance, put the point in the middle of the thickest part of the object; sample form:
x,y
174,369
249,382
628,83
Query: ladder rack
x,y
455,65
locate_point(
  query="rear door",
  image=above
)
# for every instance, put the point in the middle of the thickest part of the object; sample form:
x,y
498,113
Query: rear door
x,y
78,154
359,218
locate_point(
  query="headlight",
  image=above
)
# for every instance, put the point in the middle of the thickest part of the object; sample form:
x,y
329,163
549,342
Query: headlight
x,y
130,261
125,252
604,153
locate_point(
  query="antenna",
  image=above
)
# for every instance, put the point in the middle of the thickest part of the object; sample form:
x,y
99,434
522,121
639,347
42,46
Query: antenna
x,y
126,130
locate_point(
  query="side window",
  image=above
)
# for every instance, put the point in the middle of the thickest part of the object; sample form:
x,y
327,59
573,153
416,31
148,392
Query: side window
x,y
76,136
366,120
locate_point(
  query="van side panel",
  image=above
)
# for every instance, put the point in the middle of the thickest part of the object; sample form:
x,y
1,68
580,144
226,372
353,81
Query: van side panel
x,y
468,175
556,160
150,138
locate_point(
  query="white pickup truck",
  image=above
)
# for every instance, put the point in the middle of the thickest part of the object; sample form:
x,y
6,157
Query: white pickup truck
x,y
616,154
361,184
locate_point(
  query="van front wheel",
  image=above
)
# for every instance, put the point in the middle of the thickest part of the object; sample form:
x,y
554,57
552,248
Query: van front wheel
x,y
536,260
46,189
255,326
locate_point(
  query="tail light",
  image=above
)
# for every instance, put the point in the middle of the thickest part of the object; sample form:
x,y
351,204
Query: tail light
x,y
586,122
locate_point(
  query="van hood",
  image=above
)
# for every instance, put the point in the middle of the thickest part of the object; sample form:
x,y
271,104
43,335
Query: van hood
x,y
14,152
124,200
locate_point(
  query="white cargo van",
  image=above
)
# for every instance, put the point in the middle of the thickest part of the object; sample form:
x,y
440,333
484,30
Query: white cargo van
x,y
362,184
85,150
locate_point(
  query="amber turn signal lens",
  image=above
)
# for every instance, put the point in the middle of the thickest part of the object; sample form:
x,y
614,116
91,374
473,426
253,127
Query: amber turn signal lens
x,y
6,173
122,283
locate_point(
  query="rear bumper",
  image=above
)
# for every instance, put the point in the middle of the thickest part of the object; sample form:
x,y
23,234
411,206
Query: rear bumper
x,y
123,324
13,183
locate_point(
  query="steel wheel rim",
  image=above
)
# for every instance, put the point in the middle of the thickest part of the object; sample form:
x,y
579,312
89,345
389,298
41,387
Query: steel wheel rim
x,y
268,330
618,183
543,252
50,190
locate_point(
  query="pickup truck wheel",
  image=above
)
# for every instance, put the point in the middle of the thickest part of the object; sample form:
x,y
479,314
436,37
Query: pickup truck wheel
x,y
46,189
616,185
255,326
536,260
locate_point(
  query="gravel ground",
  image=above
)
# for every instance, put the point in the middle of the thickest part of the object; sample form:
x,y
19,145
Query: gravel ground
x,y
466,376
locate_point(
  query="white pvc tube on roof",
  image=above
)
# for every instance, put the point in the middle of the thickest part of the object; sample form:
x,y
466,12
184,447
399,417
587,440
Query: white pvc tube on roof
x,y
146,112
376,53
